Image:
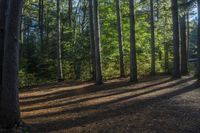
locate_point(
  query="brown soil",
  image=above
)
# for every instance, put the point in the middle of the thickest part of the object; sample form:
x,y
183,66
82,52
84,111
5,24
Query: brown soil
x,y
155,105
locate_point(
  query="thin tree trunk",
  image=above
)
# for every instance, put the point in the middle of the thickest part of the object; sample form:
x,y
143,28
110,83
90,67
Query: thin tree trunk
x,y
10,113
92,41
153,60
47,26
41,24
166,57
133,60
176,71
70,13
166,47
22,28
97,43
198,41
157,9
59,53
120,38
188,33
184,59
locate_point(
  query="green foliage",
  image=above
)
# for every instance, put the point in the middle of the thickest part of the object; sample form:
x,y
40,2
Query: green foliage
x,y
38,63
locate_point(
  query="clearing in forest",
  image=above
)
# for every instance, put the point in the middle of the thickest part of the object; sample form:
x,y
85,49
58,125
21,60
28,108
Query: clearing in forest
x,y
155,105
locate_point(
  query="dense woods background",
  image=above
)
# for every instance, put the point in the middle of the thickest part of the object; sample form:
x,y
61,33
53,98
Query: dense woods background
x,y
38,47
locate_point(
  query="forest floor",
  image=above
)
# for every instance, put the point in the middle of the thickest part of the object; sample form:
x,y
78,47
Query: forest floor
x,y
154,105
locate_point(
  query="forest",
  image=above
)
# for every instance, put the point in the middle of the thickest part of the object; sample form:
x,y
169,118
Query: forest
x,y
99,66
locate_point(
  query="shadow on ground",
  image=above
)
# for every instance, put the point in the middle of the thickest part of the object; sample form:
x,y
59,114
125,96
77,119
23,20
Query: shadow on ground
x,y
153,105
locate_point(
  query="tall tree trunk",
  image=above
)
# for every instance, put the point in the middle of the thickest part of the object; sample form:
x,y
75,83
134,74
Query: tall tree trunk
x,y
59,51
22,28
198,40
3,8
184,59
2,33
157,9
92,42
176,71
153,60
10,113
188,33
47,26
166,47
41,23
70,12
97,43
120,38
133,60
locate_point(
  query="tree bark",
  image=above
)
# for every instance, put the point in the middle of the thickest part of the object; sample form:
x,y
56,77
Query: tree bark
x,y
70,13
198,40
97,43
133,60
10,113
184,59
41,24
59,52
188,33
166,47
153,60
3,6
176,71
92,41
120,38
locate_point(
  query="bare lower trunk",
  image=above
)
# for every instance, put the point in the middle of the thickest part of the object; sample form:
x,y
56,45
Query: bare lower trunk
x,y
97,43
10,113
176,71
92,42
153,60
59,53
120,38
188,34
184,69
133,60
166,54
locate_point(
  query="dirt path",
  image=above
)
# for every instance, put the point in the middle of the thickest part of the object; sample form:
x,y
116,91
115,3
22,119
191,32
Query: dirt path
x,y
157,105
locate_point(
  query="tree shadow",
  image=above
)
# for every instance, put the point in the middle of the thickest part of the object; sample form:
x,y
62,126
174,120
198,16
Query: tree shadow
x,y
103,104
146,90
132,107
88,90
91,85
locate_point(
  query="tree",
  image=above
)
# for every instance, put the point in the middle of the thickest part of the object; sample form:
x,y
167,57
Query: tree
x,y
59,53
120,38
97,43
70,13
92,41
133,60
9,103
176,71
2,33
41,24
166,50
153,60
198,40
184,50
